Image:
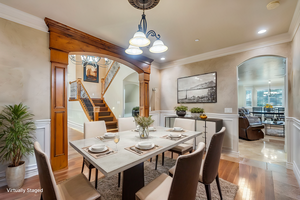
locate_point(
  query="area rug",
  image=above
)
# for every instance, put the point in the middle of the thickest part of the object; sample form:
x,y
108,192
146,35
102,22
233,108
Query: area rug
x,y
278,132
108,187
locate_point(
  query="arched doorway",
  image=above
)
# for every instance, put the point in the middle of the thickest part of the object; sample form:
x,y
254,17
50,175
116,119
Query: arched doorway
x,y
63,40
262,90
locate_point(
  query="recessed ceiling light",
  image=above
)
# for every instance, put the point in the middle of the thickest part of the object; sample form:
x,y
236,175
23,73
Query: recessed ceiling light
x,y
262,31
163,58
197,40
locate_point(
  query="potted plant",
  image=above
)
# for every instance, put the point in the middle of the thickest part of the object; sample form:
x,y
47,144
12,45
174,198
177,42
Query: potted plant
x,y
16,141
144,123
196,111
181,110
135,111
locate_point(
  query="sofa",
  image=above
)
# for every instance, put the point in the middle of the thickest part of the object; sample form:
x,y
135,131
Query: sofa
x,y
249,131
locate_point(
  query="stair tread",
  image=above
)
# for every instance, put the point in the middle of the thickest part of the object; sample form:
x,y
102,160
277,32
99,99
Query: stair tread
x,y
111,122
112,130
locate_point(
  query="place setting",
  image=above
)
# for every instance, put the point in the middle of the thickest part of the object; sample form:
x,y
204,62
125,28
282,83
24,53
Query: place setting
x,y
143,147
176,134
99,150
150,129
106,136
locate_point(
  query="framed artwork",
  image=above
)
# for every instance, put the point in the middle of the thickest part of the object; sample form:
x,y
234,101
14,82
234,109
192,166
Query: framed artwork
x,y
197,89
90,73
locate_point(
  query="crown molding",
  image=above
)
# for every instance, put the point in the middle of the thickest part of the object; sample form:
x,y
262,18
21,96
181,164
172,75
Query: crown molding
x,y
278,39
295,21
20,17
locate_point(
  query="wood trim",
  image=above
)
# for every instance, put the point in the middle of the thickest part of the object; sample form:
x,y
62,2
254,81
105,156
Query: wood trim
x,y
68,39
102,88
111,81
144,79
59,112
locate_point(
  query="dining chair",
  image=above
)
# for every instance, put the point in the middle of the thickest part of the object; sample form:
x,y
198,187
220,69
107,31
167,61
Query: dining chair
x,y
74,188
280,116
166,188
269,116
93,129
188,146
209,168
257,109
126,124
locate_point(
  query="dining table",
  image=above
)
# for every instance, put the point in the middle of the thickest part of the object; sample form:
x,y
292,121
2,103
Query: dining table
x,y
129,162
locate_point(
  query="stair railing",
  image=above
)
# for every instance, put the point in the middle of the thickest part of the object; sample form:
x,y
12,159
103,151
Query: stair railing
x,y
78,92
109,77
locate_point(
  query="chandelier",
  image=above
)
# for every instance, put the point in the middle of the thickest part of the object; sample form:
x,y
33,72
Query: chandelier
x,y
140,38
90,60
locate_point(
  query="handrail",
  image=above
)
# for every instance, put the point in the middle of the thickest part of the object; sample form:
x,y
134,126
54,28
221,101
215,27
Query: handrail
x,y
79,81
103,80
109,69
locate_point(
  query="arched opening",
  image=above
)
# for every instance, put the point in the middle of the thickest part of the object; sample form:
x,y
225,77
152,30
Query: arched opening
x,y
262,106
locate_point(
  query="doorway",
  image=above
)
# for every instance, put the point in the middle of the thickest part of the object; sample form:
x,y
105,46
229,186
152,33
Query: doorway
x,y
262,107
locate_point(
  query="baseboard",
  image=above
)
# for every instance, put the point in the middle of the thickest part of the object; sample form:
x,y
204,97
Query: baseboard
x,y
296,172
230,152
30,171
289,165
76,126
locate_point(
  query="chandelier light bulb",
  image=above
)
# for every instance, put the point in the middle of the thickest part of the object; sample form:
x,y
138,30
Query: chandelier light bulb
x,y
158,47
133,50
139,39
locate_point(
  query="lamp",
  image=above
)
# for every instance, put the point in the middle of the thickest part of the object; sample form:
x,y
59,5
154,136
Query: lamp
x,y
140,38
90,60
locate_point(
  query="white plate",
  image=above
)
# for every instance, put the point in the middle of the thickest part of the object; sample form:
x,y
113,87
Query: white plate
x,y
175,136
179,130
106,136
98,151
137,146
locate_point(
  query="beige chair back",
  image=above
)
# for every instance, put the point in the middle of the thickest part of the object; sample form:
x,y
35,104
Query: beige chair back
x,y
47,181
126,124
186,124
185,179
93,129
212,158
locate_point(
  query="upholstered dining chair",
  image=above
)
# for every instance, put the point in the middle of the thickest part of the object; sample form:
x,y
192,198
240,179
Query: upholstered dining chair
x,y
210,165
186,124
74,188
93,129
126,124
166,188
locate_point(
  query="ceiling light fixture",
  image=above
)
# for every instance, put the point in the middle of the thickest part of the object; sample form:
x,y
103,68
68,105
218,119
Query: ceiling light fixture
x,y
163,58
272,5
197,40
262,31
140,38
90,60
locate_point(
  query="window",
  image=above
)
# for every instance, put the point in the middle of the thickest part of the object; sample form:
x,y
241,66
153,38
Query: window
x,y
248,98
276,98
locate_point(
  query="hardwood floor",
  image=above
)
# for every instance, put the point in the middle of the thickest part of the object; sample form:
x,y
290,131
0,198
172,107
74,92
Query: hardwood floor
x,y
256,180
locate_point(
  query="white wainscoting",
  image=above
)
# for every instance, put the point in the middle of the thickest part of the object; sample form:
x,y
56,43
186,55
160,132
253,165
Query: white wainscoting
x,y
292,145
76,126
42,135
230,121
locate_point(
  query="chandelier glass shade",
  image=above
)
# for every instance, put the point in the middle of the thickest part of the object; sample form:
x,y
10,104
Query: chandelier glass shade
x,y
133,50
139,39
158,47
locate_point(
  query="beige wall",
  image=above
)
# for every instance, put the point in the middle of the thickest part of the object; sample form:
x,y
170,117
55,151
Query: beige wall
x,y
25,68
296,75
226,68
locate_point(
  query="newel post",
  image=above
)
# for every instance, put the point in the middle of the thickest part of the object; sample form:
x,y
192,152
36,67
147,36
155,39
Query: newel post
x,y
144,79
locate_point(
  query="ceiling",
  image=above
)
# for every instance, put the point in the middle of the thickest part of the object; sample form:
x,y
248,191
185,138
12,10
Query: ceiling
x,y
217,24
259,70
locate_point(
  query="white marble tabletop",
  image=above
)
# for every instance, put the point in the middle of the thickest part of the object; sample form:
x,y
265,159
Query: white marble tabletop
x,y
112,164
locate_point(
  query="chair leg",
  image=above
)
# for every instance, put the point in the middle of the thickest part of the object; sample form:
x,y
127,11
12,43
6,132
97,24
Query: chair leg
x,y
219,187
150,159
119,179
90,171
156,160
163,159
96,181
208,192
82,166
170,174
41,197
172,155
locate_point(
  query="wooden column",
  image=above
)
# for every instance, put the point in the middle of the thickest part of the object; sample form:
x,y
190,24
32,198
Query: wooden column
x,y
59,116
144,94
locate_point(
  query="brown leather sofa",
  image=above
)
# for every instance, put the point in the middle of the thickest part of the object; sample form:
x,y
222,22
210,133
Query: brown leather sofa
x,y
250,132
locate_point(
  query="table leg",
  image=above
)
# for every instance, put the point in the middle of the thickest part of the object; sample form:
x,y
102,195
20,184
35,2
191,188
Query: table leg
x,y
133,181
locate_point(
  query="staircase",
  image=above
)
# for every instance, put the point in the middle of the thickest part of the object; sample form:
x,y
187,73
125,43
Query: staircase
x,y
95,109
105,114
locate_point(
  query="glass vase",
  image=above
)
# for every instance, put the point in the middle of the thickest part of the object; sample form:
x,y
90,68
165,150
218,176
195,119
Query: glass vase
x,y
144,132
